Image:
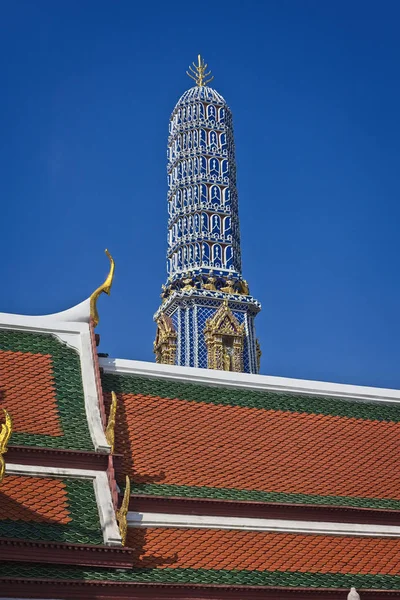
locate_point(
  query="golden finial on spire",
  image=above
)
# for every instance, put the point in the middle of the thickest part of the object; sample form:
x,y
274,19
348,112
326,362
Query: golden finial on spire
x,y
198,72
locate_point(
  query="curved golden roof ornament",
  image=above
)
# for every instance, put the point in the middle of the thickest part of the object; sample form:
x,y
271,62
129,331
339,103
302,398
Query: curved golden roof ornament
x,y
122,512
110,429
5,434
198,72
105,287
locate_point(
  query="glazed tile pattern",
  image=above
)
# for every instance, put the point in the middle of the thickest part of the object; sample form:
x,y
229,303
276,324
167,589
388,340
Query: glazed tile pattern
x,y
202,447
224,577
218,549
25,377
41,386
52,509
34,499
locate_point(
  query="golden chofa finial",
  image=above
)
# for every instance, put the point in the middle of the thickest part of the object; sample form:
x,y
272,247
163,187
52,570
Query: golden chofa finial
x,y
198,72
5,434
105,287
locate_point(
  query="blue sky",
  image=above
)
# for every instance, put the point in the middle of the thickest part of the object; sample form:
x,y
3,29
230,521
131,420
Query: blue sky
x,y
87,90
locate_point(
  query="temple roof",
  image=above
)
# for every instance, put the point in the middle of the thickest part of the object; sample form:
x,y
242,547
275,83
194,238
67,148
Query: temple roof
x,y
49,508
181,439
39,374
266,558
237,480
235,558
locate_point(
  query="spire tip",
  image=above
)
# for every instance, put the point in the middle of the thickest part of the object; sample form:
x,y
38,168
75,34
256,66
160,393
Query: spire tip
x,y
198,72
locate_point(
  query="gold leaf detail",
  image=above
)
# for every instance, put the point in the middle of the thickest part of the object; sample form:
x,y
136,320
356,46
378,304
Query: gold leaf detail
x,y
122,512
105,287
224,337
5,434
164,346
198,72
258,354
110,429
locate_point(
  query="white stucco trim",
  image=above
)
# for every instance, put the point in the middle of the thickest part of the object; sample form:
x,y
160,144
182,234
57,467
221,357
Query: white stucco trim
x,y
66,331
102,492
77,336
147,519
226,379
76,314
92,405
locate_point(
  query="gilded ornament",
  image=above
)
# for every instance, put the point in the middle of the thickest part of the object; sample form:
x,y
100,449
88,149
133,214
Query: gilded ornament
x,y
227,359
230,287
105,287
198,72
5,434
110,429
165,343
224,337
258,355
244,288
165,292
188,281
122,512
210,285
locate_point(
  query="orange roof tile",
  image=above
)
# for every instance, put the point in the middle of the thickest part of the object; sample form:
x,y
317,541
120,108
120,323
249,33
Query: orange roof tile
x,y
172,548
38,499
192,443
27,391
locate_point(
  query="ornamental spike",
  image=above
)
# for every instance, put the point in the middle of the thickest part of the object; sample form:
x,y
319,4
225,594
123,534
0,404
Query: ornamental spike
x,y
198,72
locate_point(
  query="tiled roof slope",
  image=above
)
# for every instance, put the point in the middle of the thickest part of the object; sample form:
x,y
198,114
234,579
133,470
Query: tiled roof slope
x,y
234,550
50,509
221,557
191,440
41,387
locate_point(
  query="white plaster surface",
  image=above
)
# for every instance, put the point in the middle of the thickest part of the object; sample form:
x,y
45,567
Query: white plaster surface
x,y
256,382
76,314
148,519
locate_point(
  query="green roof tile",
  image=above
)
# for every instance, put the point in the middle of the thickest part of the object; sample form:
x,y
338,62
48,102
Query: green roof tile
x,y
202,576
321,405
185,491
84,527
66,366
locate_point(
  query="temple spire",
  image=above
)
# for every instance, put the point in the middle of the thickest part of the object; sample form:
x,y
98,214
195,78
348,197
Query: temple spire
x,y
198,72
206,317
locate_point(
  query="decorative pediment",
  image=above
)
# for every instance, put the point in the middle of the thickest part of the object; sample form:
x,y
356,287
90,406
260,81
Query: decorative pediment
x,y
224,322
224,336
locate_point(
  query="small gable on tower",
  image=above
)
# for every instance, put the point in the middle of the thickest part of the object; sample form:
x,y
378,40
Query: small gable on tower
x,y
224,337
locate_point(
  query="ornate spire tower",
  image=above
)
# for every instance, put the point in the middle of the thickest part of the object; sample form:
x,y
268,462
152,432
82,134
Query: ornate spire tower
x,y
206,318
